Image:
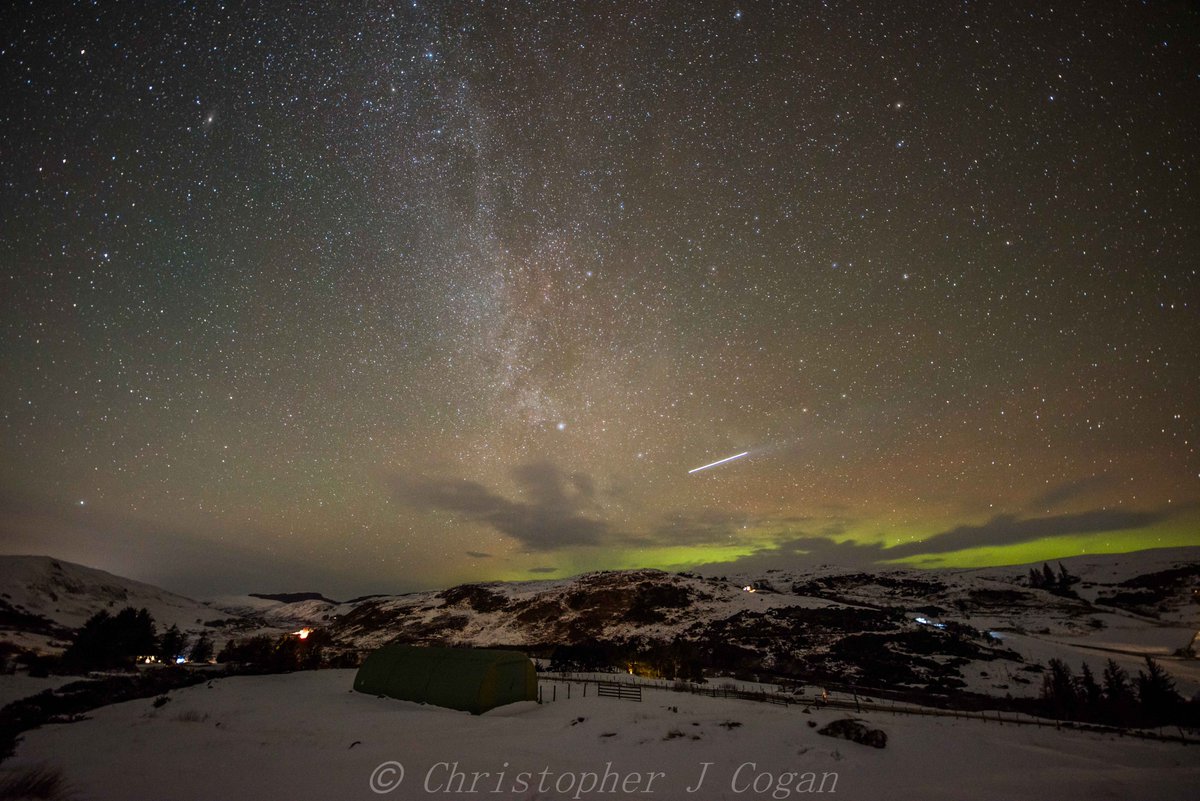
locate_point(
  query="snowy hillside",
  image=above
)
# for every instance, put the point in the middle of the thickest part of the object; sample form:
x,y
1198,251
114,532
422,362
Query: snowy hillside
x,y
983,630
616,605
272,612
43,600
62,595
986,631
308,736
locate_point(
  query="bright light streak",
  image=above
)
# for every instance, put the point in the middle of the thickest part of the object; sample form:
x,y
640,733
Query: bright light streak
x,y
719,461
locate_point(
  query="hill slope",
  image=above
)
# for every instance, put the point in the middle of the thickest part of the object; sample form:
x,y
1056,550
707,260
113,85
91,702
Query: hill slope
x,y
44,599
985,630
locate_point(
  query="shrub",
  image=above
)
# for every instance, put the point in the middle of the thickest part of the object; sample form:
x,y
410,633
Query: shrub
x,y
36,782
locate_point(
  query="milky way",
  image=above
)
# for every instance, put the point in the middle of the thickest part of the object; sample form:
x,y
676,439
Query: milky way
x,y
376,297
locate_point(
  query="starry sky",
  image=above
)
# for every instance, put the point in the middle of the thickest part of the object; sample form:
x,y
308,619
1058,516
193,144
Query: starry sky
x,y
365,297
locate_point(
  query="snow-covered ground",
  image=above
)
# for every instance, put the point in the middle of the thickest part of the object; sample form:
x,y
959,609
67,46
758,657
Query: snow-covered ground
x,y
309,736
16,686
1127,650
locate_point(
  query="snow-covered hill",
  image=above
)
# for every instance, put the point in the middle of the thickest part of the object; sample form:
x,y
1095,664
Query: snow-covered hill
x,y
45,598
985,630
611,605
272,612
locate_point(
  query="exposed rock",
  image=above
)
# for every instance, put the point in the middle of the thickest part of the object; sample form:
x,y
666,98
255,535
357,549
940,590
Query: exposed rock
x,y
856,731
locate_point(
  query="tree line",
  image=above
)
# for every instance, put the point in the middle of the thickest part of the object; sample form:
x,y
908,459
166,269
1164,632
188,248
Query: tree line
x,y
108,641
111,642
1058,582
1116,698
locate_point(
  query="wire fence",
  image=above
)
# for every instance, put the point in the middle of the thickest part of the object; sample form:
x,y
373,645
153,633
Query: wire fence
x,y
629,687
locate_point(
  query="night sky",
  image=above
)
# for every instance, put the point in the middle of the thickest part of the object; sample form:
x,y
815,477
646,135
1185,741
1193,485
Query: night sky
x,y
363,297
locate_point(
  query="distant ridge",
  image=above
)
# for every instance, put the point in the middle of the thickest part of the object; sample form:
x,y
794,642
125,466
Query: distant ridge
x,y
292,597
979,630
372,596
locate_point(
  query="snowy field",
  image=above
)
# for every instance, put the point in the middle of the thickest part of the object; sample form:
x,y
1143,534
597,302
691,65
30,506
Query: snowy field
x,y
20,685
308,736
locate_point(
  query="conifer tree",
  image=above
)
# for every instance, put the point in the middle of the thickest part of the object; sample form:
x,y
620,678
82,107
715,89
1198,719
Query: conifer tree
x,y
202,650
171,644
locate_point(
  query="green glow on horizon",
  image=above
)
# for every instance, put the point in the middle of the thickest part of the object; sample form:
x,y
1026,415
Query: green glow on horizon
x,y
1062,547
1176,533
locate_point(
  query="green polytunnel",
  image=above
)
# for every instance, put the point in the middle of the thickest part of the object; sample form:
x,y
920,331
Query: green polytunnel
x,y
473,680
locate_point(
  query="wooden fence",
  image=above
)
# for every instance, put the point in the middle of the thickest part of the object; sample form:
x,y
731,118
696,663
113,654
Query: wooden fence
x,y
607,689
633,691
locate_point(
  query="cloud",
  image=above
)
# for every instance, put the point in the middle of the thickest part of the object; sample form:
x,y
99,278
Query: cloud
x,y
804,550
478,555
706,527
1010,530
198,557
557,510
715,527
1068,491
808,549
543,570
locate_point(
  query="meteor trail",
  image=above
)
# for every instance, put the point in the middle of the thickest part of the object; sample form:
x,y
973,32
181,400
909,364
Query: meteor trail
x,y
719,461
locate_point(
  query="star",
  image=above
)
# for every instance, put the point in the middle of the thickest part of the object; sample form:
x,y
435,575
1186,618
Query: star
x,y
424,240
